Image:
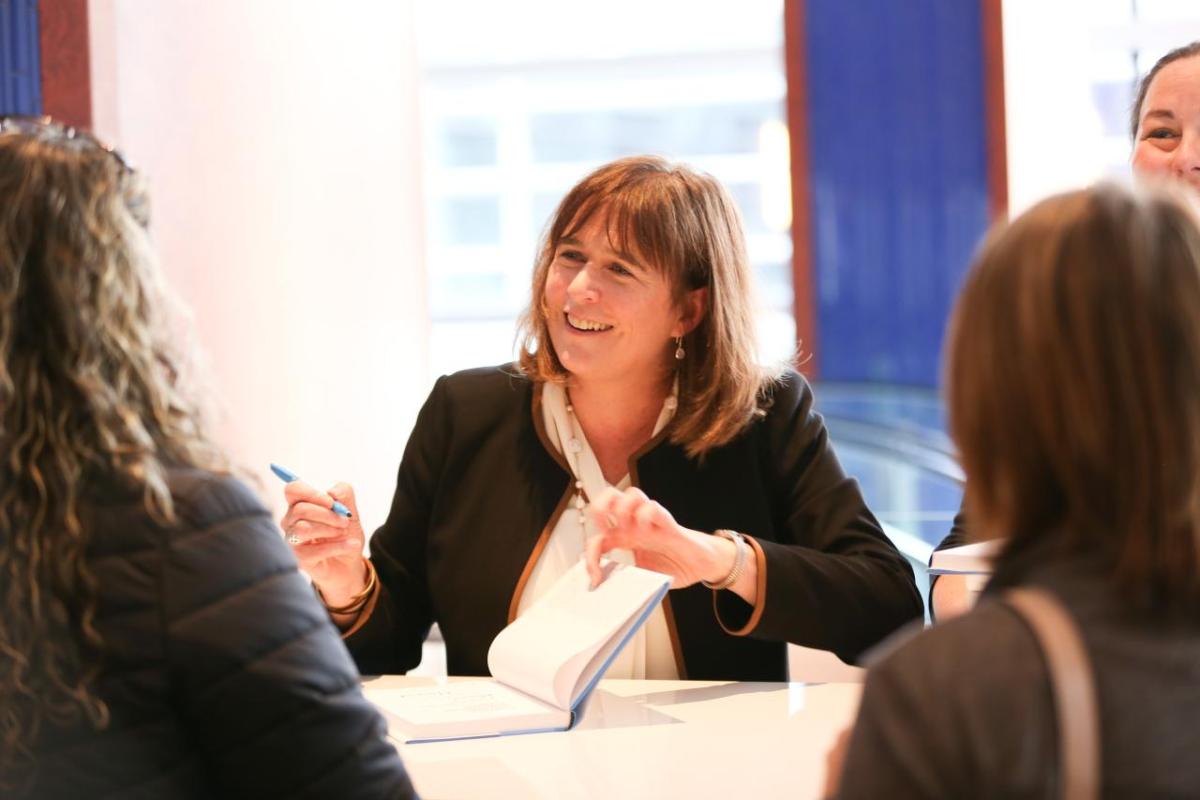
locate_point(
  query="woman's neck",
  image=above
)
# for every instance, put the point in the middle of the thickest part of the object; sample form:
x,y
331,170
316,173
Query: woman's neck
x,y
617,420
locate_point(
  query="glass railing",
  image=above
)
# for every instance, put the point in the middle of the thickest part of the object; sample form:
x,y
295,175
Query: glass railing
x,y
893,440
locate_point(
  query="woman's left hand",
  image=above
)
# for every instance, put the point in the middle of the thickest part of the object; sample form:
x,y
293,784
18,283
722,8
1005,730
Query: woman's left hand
x,y
630,520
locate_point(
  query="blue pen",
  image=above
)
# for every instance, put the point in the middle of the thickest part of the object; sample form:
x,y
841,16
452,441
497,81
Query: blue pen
x,y
287,476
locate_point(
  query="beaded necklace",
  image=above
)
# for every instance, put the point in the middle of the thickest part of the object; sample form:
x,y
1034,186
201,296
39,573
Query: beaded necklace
x,y
573,448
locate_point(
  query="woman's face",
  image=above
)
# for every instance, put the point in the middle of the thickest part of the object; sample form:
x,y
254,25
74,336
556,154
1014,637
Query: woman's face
x,y
610,315
1168,137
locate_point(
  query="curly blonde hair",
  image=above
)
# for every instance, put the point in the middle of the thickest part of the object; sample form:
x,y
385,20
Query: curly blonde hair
x,y
89,402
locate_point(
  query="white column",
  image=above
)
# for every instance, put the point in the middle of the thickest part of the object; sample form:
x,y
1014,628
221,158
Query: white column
x,y
281,140
1055,136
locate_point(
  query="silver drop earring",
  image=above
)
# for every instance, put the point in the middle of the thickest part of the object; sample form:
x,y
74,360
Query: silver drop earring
x,y
679,353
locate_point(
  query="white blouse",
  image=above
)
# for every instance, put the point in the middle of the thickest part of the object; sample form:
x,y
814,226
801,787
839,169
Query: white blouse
x,y
648,655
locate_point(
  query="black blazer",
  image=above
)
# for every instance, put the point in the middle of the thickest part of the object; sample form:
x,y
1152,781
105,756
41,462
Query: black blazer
x,y
479,491
222,672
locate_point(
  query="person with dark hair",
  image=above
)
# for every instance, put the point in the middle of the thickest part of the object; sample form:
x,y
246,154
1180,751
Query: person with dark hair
x,y
1165,121
1164,126
637,389
156,637
1072,378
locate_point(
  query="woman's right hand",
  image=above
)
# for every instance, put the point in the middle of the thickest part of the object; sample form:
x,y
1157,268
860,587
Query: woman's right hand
x,y
951,597
328,546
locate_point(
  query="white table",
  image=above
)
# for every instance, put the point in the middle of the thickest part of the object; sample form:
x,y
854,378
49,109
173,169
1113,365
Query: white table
x,y
650,739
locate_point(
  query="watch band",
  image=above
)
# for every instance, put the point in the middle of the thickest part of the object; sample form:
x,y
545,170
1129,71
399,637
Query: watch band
x,y
741,553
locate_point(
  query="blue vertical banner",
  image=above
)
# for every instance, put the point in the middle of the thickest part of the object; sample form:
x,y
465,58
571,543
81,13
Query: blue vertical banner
x,y
898,170
20,61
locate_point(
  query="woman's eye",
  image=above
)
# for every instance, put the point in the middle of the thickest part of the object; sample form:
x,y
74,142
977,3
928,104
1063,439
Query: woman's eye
x,y
620,269
572,255
1160,133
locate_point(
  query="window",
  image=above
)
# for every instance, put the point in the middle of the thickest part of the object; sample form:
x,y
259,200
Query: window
x,y
1071,73
511,122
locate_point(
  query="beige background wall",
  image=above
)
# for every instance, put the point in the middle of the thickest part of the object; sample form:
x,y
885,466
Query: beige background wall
x,y
281,142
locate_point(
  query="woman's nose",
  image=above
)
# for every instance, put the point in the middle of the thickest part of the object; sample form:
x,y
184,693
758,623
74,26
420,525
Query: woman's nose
x,y
582,289
1187,156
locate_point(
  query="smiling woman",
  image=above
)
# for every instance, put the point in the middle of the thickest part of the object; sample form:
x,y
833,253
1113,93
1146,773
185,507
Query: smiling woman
x,y
659,247
1166,117
637,423
610,314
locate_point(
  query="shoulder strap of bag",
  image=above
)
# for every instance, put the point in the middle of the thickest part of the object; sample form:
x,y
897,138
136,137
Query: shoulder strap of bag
x,y
1072,684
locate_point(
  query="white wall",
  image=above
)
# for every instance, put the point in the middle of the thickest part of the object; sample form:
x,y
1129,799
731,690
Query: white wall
x,y
1056,55
1054,134
281,141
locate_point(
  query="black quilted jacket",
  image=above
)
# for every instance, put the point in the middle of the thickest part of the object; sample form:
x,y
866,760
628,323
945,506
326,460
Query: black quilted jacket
x,y
223,674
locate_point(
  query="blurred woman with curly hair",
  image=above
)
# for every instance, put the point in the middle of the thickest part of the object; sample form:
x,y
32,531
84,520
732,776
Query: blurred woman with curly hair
x,y
155,635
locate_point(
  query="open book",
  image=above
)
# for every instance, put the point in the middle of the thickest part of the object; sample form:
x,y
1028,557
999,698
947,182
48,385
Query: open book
x,y
968,559
544,664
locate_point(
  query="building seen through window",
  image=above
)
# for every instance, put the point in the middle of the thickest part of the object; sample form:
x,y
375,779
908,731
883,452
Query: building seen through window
x,y
512,121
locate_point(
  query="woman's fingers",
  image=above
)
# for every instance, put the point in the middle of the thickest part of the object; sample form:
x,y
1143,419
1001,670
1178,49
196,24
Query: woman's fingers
x,y
592,550
624,505
604,502
344,494
628,520
630,514
651,514
612,508
327,545
314,552
305,532
310,516
315,515
299,491
604,511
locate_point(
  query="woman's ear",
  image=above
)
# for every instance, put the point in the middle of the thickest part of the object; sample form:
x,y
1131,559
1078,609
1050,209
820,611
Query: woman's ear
x,y
692,309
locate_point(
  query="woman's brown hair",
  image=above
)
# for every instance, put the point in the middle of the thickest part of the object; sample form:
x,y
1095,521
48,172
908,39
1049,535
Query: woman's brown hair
x,y
1073,375
89,408
683,223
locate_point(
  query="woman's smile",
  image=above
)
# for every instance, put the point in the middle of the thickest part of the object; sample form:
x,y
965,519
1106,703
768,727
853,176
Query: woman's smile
x,y
618,314
583,325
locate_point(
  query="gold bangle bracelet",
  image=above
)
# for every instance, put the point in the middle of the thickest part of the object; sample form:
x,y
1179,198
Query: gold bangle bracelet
x,y
359,600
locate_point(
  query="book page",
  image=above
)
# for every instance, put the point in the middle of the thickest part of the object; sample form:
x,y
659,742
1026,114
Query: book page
x,y
975,558
545,652
587,668
464,708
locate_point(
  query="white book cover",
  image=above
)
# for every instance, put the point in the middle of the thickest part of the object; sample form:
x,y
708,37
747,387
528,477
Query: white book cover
x,y
544,665
967,559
